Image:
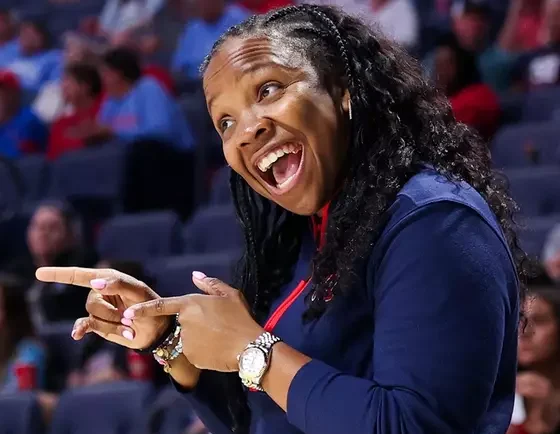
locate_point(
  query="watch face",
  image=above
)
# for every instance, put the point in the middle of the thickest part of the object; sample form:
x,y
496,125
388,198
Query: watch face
x,y
252,362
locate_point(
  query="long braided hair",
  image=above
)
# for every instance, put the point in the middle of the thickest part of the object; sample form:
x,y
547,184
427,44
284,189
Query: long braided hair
x,y
400,123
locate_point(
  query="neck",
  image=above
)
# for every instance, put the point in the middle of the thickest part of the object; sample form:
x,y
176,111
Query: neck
x,y
123,90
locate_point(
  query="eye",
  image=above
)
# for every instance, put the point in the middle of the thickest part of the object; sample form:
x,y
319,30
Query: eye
x,y
224,124
268,89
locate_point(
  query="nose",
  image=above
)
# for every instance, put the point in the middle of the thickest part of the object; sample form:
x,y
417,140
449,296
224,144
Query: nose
x,y
256,130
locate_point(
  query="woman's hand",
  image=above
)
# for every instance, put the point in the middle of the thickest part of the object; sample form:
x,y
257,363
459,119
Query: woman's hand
x,y
215,327
112,292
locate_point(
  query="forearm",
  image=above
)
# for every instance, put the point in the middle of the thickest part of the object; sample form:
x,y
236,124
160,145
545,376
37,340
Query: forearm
x,y
184,372
284,365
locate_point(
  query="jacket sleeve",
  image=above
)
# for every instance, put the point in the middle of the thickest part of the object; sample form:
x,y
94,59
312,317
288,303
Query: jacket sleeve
x,y
445,300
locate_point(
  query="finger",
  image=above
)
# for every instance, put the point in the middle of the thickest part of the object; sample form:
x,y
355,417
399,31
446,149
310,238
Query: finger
x,y
97,306
107,328
80,329
106,281
211,285
159,307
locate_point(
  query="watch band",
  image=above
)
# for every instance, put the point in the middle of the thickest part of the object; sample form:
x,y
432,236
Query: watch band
x,y
264,343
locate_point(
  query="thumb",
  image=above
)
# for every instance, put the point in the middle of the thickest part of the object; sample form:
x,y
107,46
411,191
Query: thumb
x,y
211,285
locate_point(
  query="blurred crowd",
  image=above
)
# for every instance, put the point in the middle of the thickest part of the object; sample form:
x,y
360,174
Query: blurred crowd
x,y
109,159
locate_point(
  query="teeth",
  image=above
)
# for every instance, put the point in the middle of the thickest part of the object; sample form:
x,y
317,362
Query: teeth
x,y
269,159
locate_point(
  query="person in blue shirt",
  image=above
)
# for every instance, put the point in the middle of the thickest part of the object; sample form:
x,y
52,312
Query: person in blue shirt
x,y
37,63
200,33
136,107
9,46
21,131
378,291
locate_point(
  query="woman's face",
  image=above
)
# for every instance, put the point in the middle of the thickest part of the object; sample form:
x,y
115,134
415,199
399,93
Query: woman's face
x,y
281,129
47,234
539,342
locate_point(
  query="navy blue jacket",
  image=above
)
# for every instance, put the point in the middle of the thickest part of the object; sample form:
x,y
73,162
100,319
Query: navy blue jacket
x,y
427,344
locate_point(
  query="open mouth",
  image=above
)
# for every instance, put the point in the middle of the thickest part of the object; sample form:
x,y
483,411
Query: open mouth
x,y
280,167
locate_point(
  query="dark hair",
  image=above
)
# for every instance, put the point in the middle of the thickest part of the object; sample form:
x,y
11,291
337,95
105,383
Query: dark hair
x,y
400,123
125,61
87,74
17,320
40,27
467,71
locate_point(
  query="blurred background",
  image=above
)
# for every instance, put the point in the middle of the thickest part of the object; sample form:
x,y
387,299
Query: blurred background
x,y
108,158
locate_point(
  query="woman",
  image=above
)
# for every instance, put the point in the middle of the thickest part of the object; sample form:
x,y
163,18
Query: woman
x,y
401,314
53,238
456,74
22,358
538,383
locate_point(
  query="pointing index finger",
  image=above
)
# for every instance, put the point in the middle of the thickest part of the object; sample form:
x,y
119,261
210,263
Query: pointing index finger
x,y
158,307
68,275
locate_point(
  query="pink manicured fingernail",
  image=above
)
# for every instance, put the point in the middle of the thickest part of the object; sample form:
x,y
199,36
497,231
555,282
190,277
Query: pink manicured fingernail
x,y
198,275
126,322
128,314
73,334
127,334
98,283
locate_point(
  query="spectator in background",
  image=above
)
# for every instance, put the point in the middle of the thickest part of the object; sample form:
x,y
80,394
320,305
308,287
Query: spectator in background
x,y
49,104
470,24
53,237
551,254
541,66
473,102
135,107
37,63
523,28
9,47
21,132
538,382
397,19
213,18
22,358
81,90
123,19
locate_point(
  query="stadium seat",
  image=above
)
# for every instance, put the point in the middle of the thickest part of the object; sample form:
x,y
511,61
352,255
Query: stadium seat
x,y
536,189
169,414
89,173
173,276
63,352
141,236
220,193
113,408
533,234
213,229
20,413
526,145
34,172
542,105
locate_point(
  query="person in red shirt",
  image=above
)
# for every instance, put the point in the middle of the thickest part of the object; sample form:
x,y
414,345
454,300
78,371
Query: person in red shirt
x,y
81,89
456,74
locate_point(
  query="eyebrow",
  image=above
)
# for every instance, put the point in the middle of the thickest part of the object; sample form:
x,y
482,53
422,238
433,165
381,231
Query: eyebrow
x,y
254,67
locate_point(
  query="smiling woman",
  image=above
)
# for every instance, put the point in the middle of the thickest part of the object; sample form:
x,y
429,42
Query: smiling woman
x,y
378,290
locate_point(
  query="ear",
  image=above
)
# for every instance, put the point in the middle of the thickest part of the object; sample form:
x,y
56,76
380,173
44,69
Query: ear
x,y
346,102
